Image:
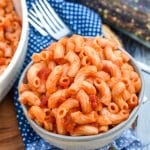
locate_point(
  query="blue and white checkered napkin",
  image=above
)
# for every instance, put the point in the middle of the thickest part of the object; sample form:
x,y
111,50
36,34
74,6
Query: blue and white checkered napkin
x,y
82,21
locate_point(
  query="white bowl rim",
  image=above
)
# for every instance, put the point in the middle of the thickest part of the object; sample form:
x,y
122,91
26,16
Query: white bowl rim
x,y
100,135
22,40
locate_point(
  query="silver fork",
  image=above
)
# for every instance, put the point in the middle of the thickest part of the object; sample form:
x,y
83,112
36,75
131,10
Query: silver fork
x,y
46,21
43,18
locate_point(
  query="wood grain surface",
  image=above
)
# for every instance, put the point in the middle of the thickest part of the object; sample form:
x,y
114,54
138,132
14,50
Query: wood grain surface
x,y
10,138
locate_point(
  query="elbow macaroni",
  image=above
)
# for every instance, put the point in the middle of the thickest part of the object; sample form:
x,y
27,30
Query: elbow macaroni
x,y
80,86
10,31
74,60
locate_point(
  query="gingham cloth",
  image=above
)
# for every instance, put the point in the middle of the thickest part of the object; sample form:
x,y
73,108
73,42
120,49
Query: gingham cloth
x,y
83,21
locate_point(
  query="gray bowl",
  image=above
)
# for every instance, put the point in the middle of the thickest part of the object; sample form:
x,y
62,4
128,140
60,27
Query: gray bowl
x,y
86,142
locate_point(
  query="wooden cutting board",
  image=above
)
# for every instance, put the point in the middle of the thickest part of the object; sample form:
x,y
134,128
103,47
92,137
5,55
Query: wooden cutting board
x,y
10,138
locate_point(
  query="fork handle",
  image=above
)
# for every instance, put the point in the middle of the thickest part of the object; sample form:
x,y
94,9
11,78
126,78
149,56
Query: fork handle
x,y
143,67
70,34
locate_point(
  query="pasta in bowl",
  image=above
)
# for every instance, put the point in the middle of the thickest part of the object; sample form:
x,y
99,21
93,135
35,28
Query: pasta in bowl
x,y
81,92
13,41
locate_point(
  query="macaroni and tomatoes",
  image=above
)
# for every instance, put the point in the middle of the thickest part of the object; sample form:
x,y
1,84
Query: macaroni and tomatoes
x,y
80,86
10,30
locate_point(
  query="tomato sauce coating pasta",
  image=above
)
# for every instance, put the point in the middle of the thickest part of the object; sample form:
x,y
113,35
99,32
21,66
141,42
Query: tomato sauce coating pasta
x,y
10,31
80,86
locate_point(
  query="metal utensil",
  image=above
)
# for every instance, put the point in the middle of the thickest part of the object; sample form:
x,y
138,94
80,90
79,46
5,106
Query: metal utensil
x,y
46,21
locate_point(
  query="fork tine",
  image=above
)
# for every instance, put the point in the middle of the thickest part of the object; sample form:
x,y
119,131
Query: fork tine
x,y
47,27
35,19
48,14
42,16
54,14
42,32
49,22
33,13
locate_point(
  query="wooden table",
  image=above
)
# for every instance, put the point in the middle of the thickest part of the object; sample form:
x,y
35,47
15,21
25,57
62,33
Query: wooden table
x,y
10,138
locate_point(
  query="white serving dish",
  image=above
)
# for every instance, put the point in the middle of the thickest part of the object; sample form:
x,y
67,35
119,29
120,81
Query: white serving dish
x,y
86,142
8,77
